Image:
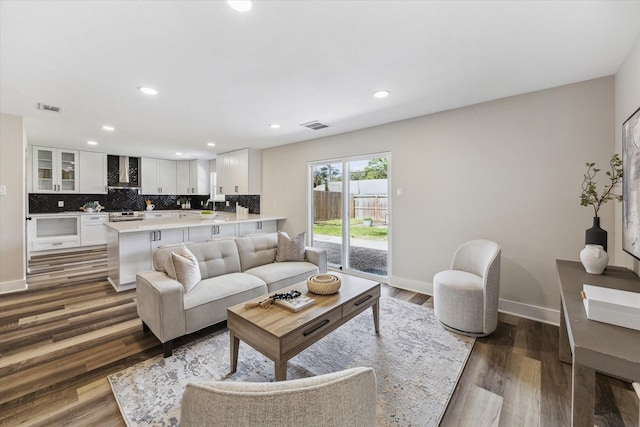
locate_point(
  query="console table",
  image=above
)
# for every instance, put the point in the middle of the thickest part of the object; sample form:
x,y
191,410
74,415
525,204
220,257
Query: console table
x,y
592,346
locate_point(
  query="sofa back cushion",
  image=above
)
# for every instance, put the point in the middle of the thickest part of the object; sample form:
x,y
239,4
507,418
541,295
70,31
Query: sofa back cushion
x,y
214,258
257,250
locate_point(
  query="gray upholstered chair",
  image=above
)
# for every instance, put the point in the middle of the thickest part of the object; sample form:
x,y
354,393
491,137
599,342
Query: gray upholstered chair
x,y
465,298
345,398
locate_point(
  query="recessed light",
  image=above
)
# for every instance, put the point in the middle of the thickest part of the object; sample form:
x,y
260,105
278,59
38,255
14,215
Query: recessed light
x,y
108,128
274,126
92,143
381,94
178,154
211,144
147,90
240,6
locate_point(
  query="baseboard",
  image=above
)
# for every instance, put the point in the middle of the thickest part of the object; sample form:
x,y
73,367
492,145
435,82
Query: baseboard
x,y
411,285
533,312
122,287
527,311
13,286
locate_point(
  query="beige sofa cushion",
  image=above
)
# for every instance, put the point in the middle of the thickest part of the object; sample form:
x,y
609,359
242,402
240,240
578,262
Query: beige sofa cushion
x,y
207,303
256,250
281,274
214,258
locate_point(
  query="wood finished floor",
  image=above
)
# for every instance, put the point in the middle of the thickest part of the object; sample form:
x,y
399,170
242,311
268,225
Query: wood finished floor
x,y
60,339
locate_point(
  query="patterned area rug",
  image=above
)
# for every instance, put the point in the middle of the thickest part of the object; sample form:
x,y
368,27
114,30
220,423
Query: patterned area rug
x,y
417,365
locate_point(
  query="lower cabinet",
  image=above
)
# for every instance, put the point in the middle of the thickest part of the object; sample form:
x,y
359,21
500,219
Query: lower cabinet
x,y
223,230
130,253
220,231
93,230
65,231
168,237
52,232
254,227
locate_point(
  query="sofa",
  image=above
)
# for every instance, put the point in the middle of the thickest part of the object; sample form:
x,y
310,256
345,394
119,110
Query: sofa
x,y
231,271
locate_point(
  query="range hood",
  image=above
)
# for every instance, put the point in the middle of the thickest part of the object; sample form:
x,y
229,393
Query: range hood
x,y
123,172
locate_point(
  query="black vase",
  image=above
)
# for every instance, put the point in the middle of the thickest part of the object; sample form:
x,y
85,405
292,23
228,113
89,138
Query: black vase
x,y
596,235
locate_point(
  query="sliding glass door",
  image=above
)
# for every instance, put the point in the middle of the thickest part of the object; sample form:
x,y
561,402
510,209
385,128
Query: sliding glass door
x,y
350,213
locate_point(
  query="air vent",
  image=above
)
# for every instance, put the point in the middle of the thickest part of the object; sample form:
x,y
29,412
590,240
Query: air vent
x,y
315,125
45,107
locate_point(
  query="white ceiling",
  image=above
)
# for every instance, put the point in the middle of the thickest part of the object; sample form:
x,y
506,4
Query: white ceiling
x,y
224,76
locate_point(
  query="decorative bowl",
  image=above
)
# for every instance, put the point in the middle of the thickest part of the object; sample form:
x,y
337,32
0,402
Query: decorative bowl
x,y
323,284
208,215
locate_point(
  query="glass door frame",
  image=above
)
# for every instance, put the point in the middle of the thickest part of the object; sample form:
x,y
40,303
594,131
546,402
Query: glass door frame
x,y
345,209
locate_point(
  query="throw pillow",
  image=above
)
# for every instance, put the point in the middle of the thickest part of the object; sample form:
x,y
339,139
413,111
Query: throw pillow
x,y
183,266
290,249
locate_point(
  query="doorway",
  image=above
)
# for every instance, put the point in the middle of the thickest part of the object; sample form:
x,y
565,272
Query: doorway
x,y
350,213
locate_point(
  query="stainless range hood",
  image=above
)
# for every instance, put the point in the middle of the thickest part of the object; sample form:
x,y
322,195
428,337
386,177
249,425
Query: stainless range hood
x,y
123,172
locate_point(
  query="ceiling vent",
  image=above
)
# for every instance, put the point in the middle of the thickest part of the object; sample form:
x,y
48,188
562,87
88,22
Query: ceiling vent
x,y
315,125
45,107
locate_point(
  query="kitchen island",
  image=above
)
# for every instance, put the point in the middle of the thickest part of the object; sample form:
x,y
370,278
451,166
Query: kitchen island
x,y
130,244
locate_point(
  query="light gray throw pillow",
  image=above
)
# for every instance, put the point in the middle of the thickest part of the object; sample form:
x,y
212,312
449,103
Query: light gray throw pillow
x,y
290,249
183,266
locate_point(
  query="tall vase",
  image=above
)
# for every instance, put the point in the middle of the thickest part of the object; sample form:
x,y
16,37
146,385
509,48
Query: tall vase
x,y
596,235
594,259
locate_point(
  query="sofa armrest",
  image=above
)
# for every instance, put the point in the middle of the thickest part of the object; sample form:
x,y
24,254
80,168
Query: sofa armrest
x,y
160,301
316,256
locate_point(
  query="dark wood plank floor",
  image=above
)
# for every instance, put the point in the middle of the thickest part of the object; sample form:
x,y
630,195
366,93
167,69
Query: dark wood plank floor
x,y
60,339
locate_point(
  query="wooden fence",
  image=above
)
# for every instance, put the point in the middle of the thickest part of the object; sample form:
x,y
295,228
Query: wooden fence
x,y
328,205
374,206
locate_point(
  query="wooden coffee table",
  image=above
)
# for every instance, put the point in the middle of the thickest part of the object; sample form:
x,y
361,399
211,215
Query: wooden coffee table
x,y
280,334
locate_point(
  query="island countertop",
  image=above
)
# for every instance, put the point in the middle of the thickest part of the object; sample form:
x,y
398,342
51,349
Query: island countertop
x,y
172,223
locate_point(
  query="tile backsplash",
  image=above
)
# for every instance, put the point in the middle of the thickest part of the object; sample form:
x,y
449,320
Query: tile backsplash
x,y
117,199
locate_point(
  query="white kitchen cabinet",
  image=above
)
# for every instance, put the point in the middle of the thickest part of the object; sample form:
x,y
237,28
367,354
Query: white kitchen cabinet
x,y
208,232
255,227
193,177
199,177
54,170
92,170
183,183
238,172
158,176
172,236
93,230
222,231
51,232
200,234
131,253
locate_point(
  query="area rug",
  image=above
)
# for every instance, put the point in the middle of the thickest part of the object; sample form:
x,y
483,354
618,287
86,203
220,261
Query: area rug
x,y
417,365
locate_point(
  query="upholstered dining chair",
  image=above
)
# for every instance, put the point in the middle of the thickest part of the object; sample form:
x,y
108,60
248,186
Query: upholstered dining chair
x,y
342,399
465,297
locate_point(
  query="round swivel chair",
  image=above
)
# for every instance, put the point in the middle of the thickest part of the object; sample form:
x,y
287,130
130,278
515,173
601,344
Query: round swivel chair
x,y
465,297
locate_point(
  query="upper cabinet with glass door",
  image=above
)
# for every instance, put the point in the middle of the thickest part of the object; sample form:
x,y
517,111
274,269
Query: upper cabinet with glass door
x,y
55,170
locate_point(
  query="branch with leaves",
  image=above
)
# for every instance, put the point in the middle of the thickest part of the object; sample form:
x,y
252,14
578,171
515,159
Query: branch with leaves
x,y
590,195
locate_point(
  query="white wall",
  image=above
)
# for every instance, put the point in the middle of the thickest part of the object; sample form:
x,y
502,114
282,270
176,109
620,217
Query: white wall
x,y
627,95
508,170
12,205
